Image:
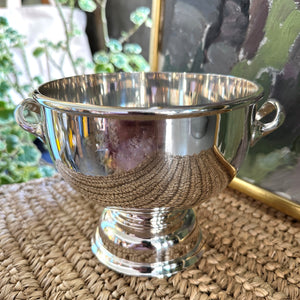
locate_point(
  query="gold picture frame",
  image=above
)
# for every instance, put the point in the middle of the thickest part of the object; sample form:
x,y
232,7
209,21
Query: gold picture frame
x,y
270,198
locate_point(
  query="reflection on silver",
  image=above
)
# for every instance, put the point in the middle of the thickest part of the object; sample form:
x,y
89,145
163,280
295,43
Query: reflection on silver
x,y
156,242
148,147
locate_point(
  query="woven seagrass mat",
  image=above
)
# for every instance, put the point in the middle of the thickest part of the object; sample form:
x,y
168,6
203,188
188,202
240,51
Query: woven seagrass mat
x,y
45,230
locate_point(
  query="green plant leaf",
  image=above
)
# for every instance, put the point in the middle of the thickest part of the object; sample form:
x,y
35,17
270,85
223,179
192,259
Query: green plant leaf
x,y
3,104
3,165
4,88
101,58
138,63
29,155
12,142
87,5
37,52
140,15
90,65
127,68
6,115
59,45
26,173
38,79
108,68
47,171
114,46
2,146
79,61
27,87
5,179
119,60
132,48
124,34
5,61
3,21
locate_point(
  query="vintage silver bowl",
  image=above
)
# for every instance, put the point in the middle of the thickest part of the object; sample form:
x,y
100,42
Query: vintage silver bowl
x,y
148,147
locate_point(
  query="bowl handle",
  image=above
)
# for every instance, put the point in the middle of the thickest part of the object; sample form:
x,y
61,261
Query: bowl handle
x,y
33,106
261,129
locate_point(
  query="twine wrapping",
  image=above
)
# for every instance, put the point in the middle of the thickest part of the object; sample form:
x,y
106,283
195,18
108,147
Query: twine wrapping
x,y
252,251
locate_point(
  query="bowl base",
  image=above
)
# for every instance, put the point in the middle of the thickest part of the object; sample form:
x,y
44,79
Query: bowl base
x,y
153,242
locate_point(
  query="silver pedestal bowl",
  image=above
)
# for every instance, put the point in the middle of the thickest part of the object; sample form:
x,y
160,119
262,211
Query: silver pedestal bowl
x,y
148,147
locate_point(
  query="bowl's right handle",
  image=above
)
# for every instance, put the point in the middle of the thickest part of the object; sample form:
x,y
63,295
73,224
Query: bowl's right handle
x,y
261,129
33,106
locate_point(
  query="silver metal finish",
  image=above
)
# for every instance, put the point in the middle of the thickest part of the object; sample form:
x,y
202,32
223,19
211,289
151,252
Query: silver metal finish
x,y
262,129
32,106
149,147
154,242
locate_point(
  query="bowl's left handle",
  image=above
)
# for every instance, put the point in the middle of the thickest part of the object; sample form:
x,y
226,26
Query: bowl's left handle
x,y
32,106
260,128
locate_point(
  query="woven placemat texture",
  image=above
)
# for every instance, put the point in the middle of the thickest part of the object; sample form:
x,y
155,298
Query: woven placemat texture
x,y
253,251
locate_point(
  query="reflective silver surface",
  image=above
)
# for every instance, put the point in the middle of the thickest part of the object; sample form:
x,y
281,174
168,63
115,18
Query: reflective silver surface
x,y
155,242
144,145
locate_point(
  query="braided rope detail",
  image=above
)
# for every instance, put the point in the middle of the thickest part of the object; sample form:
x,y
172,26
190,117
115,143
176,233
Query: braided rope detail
x,y
159,181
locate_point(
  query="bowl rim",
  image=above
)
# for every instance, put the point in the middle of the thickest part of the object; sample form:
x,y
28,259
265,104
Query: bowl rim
x,y
148,112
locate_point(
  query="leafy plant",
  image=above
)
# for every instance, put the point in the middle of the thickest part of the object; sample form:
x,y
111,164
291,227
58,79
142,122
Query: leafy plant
x,y
19,157
119,54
